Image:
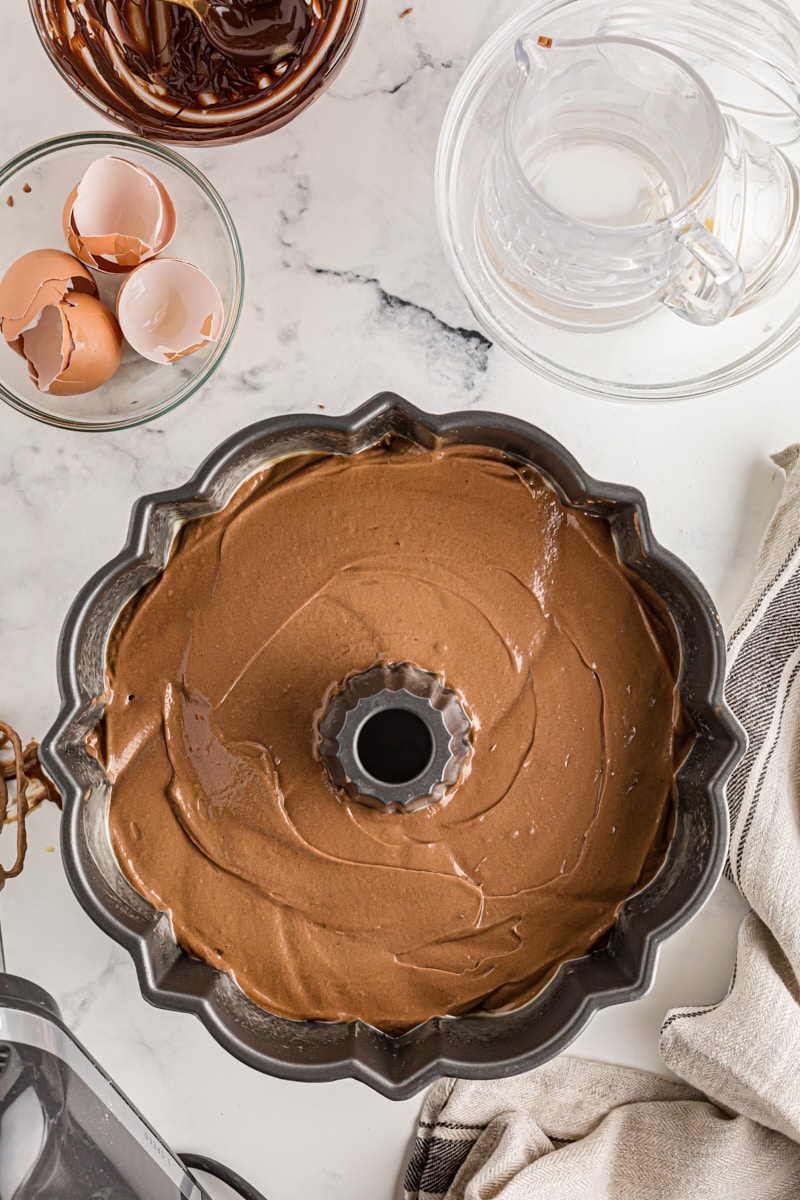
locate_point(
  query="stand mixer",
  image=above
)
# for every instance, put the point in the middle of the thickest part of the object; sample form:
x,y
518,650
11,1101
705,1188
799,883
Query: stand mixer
x,y
66,1130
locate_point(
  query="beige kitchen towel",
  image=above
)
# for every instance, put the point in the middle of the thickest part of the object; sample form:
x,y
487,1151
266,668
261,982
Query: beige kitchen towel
x,y
578,1130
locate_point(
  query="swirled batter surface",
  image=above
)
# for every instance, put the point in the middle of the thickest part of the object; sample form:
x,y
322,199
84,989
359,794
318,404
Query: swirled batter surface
x,y
222,815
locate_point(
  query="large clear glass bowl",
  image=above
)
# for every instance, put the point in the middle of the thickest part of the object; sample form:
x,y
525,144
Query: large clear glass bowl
x,y
205,235
660,357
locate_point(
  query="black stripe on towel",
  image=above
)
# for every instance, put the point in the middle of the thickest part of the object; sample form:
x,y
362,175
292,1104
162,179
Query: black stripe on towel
x,y
751,814
435,1164
762,657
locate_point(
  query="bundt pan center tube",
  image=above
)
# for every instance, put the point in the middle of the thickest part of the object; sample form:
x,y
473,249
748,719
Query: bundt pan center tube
x,y
394,737
396,748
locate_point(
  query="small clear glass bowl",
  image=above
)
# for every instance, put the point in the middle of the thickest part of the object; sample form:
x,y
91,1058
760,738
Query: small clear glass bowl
x,y
38,182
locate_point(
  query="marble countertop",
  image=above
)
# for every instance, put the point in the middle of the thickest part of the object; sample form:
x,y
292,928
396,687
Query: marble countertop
x,y
347,294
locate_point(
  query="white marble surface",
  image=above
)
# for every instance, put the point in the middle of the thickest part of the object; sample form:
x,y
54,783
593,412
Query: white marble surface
x,y
347,294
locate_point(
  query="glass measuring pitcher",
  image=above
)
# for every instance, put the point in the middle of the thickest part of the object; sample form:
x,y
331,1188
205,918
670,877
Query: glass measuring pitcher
x,y
615,177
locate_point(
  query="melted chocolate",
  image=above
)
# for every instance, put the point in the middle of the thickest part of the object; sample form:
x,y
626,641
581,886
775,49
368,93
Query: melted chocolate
x,y
259,32
154,64
223,816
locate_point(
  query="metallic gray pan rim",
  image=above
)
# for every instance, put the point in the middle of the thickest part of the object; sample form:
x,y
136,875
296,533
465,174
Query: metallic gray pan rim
x,y
479,1047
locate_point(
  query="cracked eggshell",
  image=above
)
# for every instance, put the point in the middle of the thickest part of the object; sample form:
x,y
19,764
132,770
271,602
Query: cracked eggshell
x,y
38,279
169,308
73,346
118,216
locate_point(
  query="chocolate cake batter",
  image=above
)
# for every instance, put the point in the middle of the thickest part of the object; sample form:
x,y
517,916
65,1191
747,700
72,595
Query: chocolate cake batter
x,y
222,815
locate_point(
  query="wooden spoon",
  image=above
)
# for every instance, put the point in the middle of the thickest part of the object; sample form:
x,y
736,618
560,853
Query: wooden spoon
x,y
252,32
198,7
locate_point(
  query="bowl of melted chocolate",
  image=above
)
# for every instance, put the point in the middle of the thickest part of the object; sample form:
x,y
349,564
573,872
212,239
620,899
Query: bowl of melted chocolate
x,y
200,71
392,745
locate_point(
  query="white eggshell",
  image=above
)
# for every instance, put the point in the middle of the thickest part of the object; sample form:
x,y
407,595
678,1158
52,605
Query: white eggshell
x,y
168,308
118,216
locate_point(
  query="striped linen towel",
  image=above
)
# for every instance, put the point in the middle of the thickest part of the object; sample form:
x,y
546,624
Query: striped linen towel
x,y
579,1130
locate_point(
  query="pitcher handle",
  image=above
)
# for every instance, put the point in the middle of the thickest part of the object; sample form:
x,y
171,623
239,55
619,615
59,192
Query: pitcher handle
x,y
728,281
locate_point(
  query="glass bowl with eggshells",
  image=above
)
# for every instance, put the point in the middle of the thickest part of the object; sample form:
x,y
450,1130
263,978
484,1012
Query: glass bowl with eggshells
x,y
121,281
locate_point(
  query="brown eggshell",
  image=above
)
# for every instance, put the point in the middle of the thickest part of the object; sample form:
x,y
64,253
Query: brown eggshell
x,y
118,216
35,280
84,335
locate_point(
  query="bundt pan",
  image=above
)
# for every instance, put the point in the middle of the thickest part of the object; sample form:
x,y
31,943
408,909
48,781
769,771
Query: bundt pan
x,y
479,1046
